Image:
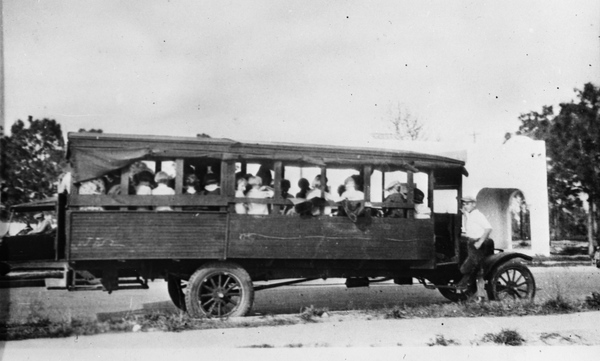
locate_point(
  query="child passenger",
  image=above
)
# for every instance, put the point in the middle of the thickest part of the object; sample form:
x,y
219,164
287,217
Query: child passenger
x,y
240,192
258,191
162,188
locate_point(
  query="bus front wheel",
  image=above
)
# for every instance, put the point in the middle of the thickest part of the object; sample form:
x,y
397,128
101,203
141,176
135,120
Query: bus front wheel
x,y
219,289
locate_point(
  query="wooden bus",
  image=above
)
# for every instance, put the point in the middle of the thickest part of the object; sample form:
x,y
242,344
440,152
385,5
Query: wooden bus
x,y
211,254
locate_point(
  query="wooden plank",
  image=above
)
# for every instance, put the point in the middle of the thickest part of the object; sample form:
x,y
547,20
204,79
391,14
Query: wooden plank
x,y
124,185
278,165
146,235
330,238
179,166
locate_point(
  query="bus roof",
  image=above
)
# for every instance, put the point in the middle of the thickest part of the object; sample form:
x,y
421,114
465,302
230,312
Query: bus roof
x,y
95,154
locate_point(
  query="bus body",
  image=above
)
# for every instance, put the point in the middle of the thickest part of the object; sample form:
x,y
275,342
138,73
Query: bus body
x,y
214,258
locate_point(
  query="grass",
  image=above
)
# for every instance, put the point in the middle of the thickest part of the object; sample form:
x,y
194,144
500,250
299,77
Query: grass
x,y
39,326
440,340
505,337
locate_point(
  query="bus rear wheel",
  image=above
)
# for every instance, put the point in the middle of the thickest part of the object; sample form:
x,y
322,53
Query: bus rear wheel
x,y
219,289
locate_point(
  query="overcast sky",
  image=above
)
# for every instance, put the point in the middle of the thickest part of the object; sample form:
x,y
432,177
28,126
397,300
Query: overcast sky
x,y
295,71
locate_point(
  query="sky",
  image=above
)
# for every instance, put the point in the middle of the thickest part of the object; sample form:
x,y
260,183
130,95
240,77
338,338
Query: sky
x,y
296,71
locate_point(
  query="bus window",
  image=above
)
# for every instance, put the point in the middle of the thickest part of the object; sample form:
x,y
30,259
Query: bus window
x,y
445,201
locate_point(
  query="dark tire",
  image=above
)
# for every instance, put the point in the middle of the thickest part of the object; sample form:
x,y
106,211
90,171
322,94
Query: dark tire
x,y
511,280
219,289
453,294
176,287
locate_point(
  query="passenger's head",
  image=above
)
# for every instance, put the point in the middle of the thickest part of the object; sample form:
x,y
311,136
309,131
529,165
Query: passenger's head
x,y
350,183
255,182
317,181
265,174
144,176
191,180
161,177
341,189
210,178
285,185
303,184
418,196
393,187
242,183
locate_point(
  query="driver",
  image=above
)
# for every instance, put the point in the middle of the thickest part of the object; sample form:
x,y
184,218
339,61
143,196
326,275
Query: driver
x,y
44,224
476,230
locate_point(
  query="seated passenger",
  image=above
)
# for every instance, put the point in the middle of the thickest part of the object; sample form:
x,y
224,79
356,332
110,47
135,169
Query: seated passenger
x,y
44,224
94,186
191,184
258,191
304,188
285,188
352,200
421,210
351,193
211,185
143,181
162,189
240,191
397,194
316,193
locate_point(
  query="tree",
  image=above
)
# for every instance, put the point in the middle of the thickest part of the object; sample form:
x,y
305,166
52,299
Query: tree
x,y
82,130
405,125
31,157
573,148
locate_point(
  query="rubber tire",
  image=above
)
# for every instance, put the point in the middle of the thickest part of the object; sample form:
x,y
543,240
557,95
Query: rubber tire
x,y
453,294
176,292
245,294
513,271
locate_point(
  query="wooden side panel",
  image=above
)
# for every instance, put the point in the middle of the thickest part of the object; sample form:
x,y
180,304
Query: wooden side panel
x,y
101,235
330,238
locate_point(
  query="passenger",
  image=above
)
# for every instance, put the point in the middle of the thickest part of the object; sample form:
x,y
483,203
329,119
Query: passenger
x,y
397,194
211,185
95,187
240,192
352,200
285,188
258,191
191,184
351,193
421,210
143,182
265,174
162,189
44,224
304,186
211,188
316,193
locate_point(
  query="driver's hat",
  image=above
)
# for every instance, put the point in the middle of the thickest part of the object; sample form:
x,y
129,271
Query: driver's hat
x,y
468,199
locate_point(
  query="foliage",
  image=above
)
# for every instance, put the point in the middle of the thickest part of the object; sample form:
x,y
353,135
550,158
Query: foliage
x,y
81,130
31,156
593,301
406,126
573,147
505,337
440,340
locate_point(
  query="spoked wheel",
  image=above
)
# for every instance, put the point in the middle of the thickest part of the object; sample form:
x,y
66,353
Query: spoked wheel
x,y
454,294
176,287
511,280
219,290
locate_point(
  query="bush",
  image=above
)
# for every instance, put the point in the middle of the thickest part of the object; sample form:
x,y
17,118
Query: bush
x,y
504,337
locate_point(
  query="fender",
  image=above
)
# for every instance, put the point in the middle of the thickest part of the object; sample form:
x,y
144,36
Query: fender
x,y
490,262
